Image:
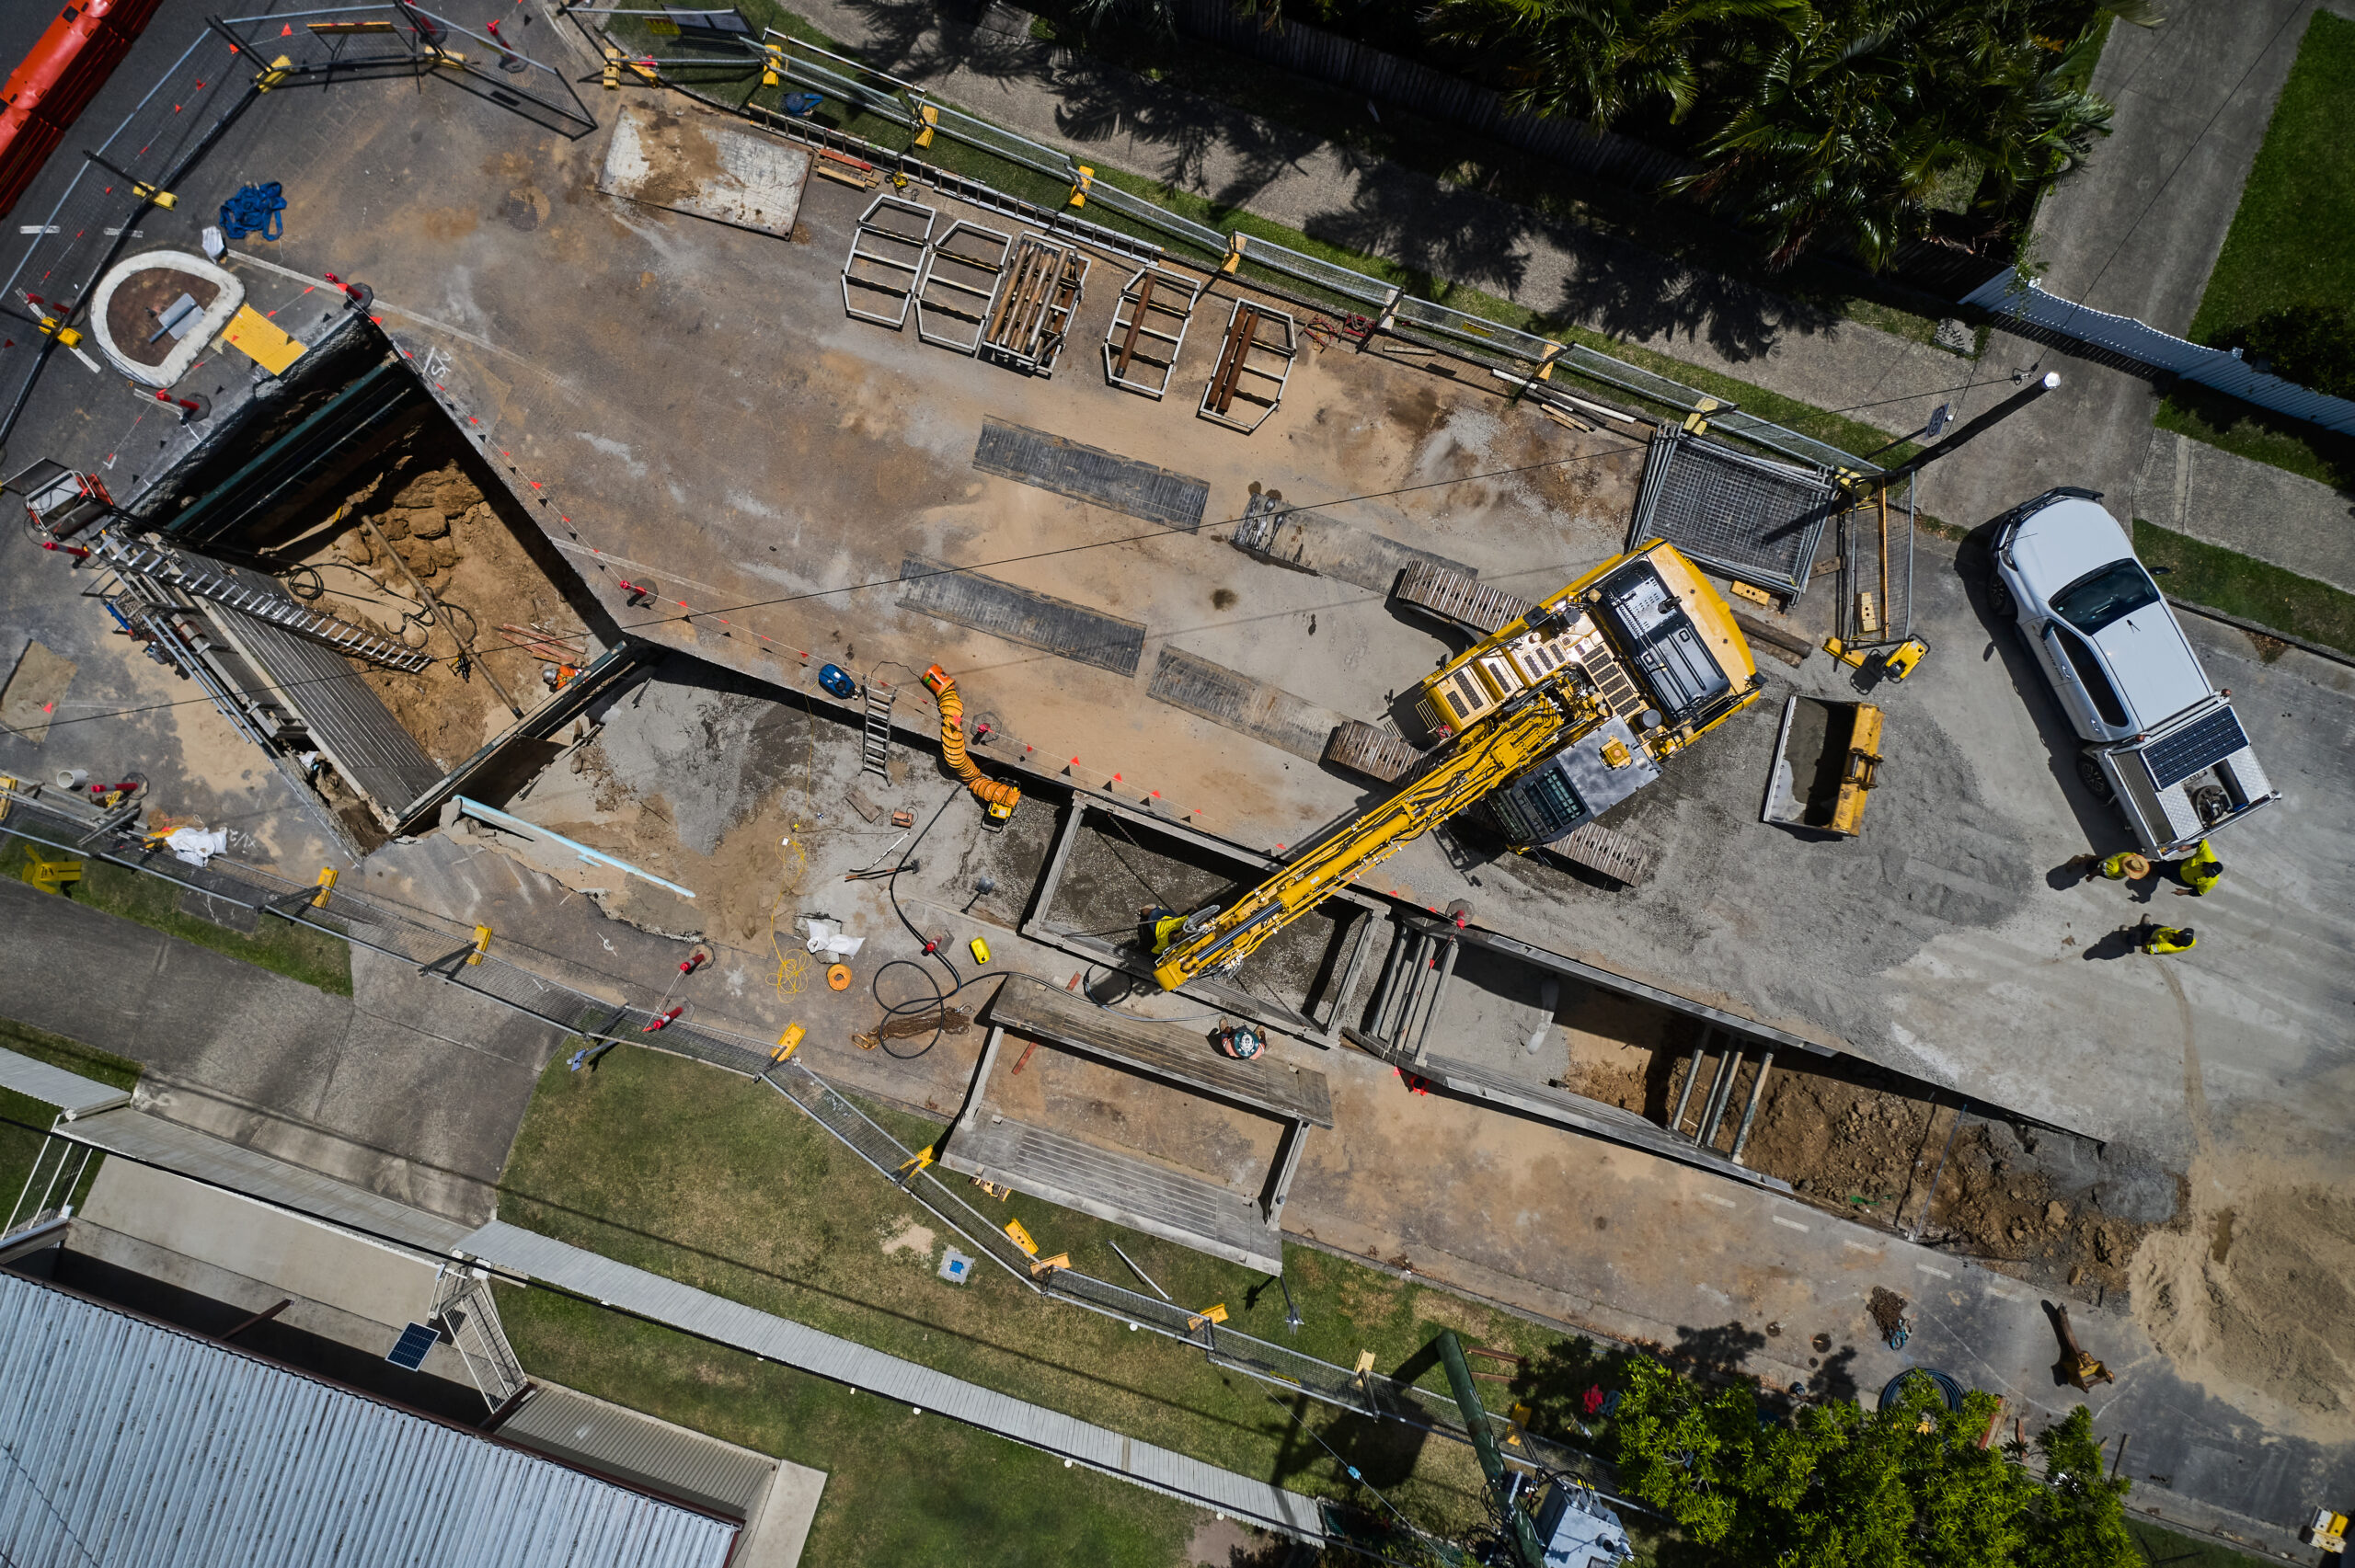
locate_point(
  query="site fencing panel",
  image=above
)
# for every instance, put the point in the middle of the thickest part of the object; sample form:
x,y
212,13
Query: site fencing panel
x,y
2008,293
456,953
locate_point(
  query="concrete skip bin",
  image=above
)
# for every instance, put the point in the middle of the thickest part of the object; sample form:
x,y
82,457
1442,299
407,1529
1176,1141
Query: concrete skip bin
x,y
1825,762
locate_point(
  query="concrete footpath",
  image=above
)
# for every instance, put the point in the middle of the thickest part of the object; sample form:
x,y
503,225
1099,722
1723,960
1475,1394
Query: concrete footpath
x,y
2220,497
408,1087
2136,232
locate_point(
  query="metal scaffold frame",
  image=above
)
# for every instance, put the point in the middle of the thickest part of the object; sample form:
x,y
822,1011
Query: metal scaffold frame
x,y
1153,300
958,283
893,258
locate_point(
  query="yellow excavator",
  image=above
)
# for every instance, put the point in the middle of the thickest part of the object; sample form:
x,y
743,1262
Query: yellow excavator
x,y
1551,720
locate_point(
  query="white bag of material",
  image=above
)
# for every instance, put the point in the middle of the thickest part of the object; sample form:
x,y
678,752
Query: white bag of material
x,y
196,845
826,937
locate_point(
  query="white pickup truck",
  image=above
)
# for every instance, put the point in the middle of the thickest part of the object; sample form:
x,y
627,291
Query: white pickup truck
x,y
2160,742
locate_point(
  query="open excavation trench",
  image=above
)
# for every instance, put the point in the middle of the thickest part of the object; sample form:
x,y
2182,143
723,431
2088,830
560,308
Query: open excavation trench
x,y
339,571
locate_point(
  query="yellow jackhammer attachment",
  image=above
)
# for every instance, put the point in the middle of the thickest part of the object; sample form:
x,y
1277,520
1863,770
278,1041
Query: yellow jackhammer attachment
x,y
998,800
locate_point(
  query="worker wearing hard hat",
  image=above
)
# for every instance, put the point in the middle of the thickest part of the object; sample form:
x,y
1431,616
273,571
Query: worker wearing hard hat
x,y
2160,940
2201,872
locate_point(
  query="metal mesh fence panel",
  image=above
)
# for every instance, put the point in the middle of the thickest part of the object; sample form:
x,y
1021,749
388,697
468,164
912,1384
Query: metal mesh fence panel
x,y
1015,149
1313,269
1749,517
1200,235
1476,331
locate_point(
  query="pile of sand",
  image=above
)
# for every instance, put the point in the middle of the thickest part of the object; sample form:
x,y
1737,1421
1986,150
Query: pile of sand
x,y
2254,1301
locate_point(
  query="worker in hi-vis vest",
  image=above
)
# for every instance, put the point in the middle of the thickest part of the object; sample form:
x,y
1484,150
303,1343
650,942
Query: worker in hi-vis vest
x,y
2123,867
2201,872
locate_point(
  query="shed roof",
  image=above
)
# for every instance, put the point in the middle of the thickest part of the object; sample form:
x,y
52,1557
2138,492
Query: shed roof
x,y
138,1446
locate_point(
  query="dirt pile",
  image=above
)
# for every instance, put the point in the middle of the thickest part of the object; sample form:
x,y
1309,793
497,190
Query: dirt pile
x,y
1846,1147
1998,1200
2254,1301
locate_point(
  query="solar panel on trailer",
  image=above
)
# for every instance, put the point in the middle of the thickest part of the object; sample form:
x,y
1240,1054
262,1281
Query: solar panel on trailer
x,y
2194,747
408,1351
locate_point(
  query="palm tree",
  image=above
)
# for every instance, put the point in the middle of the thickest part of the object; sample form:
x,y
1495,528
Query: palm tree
x,y
1595,60
1854,123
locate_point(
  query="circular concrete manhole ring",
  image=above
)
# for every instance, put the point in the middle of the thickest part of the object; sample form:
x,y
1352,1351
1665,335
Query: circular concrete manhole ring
x,y
139,294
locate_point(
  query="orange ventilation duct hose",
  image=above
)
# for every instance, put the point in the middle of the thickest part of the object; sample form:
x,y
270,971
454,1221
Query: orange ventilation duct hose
x,y
1004,798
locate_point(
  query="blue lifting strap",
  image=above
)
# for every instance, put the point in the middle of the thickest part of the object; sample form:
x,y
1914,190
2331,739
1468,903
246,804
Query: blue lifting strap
x,y
256,209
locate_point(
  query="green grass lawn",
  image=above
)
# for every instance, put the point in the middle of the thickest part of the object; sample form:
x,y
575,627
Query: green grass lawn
x,y
2293,242
20,1143
2252,589
723,1185
297,952
917,1491
2163,1548
2259,433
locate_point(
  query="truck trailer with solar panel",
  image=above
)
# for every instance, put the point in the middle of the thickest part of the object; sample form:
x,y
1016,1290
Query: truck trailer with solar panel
x,y
2160,742
1545,724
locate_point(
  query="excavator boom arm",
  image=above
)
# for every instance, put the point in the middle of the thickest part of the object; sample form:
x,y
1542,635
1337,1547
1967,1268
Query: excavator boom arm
x,y
1479,762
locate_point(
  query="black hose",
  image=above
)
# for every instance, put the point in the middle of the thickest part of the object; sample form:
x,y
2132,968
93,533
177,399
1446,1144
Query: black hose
x,y
940,1000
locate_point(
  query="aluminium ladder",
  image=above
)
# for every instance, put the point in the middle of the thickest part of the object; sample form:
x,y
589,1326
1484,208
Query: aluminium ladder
x,y
276,610
875,744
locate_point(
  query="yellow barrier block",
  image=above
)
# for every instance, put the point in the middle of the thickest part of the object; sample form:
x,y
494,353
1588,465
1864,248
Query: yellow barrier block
x,y
51,876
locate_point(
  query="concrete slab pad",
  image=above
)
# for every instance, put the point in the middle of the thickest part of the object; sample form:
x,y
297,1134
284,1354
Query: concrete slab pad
x,y
299,1256
704,163
776,1532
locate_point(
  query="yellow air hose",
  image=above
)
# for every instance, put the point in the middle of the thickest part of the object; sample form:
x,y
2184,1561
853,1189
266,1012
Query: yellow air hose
x,y
1002,797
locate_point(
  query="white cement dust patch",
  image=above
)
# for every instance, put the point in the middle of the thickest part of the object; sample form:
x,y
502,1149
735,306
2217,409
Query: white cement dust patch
x,y
706,165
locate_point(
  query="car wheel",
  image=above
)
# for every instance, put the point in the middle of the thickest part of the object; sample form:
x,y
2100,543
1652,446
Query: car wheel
x,y
2000,600
2089,774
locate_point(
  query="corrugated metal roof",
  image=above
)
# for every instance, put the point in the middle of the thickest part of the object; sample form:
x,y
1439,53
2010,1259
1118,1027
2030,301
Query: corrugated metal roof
x,y
711,1317
69,1091
136,1446
638,1447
